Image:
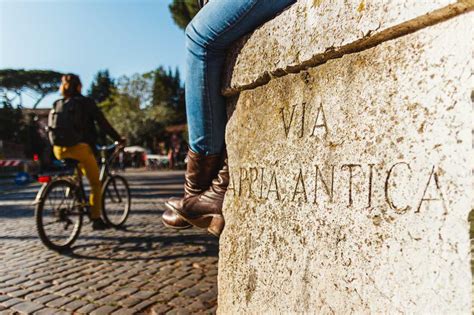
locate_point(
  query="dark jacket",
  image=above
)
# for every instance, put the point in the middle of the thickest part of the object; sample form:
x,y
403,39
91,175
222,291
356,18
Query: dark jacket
x,y
92,116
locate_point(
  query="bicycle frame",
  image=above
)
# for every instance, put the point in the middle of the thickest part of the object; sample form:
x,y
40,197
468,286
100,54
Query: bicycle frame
x,y
104,164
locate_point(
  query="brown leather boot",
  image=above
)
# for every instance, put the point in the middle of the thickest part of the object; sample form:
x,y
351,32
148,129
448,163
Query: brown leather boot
x,y
170,219
205,210
200,171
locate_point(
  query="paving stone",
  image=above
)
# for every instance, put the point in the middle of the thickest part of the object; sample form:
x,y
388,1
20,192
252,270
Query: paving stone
x,y
35,295
129,301
74,305
94,296
192,292
104,310
46,298
9,289
58,303
178,311
121,269
39,287
16,281
143,295
50,311
80,293
196,306
124,311
126,291
5,278
143,305
19,293
88,308
27,307
109,299
159,309
67,291
179,301
10,302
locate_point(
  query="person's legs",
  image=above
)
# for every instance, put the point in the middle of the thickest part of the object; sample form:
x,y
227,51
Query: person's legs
x,y
82,152
208,38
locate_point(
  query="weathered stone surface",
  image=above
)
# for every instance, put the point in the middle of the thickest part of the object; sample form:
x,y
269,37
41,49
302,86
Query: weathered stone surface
x,y
313,31
388,231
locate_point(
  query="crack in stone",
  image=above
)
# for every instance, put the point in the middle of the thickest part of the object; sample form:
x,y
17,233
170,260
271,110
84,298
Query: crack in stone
x,y
366,42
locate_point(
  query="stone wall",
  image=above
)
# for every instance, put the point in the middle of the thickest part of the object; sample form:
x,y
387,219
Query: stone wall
x,y
350,153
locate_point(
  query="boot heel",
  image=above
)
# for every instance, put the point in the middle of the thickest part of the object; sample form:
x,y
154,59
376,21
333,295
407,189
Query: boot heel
x,y
216,225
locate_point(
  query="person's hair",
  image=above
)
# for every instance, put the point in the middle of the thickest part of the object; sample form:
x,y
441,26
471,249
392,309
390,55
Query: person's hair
x,y
70,85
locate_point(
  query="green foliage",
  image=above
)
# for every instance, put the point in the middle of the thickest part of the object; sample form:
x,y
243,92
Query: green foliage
x,y
124,113
168,92
35,83
139,86
12,127
143,105
102,86
183,11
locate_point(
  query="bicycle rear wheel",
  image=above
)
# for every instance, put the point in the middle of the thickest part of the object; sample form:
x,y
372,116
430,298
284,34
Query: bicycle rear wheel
x,y
58,215
116,201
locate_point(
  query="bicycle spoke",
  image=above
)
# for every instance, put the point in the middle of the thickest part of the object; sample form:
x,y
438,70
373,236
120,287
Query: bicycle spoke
x,y
116,191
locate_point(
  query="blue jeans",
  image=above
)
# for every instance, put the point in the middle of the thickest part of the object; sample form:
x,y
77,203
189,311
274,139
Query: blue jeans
x,y
208,38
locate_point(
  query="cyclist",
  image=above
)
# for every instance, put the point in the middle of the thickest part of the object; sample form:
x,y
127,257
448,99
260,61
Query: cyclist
x,y
73,135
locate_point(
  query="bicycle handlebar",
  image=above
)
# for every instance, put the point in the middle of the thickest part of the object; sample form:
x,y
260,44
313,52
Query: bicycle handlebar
x,y
115,145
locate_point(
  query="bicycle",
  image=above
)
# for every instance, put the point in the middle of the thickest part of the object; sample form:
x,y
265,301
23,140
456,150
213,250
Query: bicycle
x,y
61,202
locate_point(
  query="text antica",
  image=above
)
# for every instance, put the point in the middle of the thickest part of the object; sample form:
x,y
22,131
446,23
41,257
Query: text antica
x,y
356,185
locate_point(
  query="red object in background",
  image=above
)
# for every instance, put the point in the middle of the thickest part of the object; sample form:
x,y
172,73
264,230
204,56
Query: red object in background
x,y
44,179
35,157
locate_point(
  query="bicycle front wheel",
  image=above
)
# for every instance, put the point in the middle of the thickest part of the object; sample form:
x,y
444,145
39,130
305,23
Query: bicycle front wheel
x,y
116,201
59,215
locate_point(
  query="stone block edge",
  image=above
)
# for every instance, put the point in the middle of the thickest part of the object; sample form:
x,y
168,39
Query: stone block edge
x,y
368,41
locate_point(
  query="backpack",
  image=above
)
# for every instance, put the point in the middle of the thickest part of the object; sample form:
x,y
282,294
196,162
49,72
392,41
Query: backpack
x,y
65,122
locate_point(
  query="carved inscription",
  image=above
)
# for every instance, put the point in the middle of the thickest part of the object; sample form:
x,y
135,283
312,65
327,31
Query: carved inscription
x,y
318,123
353,184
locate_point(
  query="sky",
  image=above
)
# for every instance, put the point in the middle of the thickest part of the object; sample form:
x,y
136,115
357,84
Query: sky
x,y
85,36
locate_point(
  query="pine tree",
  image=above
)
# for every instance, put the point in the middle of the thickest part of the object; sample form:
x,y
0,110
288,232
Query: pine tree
x,y
183,11
102,86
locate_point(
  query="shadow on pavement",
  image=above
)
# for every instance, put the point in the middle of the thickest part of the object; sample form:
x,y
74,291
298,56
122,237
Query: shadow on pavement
x,y
192,245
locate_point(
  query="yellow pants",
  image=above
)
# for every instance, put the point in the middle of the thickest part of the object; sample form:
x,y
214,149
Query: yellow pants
x,y
82,152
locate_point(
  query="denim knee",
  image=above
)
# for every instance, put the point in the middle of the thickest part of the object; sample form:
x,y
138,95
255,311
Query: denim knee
x,y
195,42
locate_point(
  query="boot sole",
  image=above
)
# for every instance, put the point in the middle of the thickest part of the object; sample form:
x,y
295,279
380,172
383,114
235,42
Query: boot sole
x,y
214,223
174,227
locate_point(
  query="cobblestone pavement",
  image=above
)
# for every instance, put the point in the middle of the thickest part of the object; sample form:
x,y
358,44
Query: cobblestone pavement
x,y
146,268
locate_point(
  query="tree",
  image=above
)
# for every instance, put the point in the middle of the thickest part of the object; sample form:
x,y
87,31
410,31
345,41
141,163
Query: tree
x,y
124,113
141,106
102,86
169,92
139,86
183,11
14,84
12,127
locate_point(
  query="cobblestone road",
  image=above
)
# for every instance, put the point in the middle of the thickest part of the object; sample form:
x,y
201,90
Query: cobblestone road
x,y
145,269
